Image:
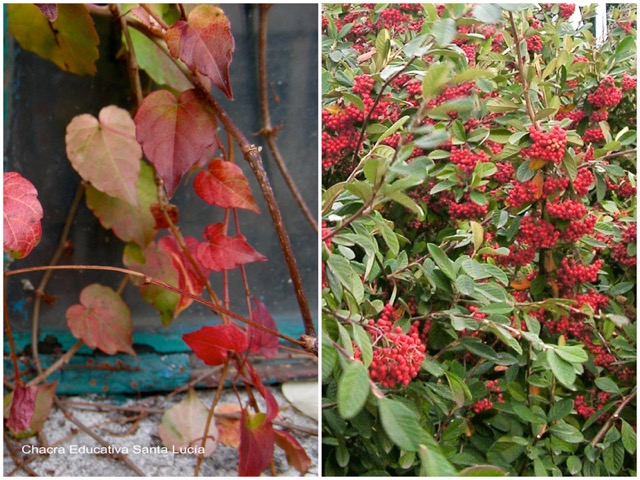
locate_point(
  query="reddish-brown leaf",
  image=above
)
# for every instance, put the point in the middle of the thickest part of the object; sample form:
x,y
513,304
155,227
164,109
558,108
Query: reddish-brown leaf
x,y
154,262
129,223
22,213
105,153
224,185
183,425
158,217
296,456
174,133
228,428
212,344
44,401
205,43
259,340
49,10
256,444
225,253
102,320
23,405
188,279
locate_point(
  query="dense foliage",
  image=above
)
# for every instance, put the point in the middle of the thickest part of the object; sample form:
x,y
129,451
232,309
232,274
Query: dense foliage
x,y
479,258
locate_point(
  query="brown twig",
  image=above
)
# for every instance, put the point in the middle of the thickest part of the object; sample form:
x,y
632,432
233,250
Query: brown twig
x,y
607,425
125,459
252,154
35,317
20,462
216,399
523,78
62,360
12,346
155,16
134,73
268,132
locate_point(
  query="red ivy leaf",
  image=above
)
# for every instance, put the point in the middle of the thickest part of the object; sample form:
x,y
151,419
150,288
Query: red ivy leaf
x,y
205,43
212,344
272,403
174,133
49,10
102,320
296,456
188,279
23,405
259,340
256,444
224,185
22,214
105,153
225,253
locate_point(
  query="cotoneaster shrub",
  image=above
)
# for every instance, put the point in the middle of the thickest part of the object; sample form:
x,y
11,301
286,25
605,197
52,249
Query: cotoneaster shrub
x,y
479,241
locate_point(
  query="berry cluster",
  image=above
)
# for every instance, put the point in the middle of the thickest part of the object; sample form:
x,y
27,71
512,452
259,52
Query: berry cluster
x,y
620,253
554,186
548,146
586,410
600,115
537,232
519,256
583,181
467,210
628,82
504,173
534,43
521,193
593,135
572,272
397,356
606,95
340,136
578,229
576,115
466,159
567,210
567,9
482,405
492,386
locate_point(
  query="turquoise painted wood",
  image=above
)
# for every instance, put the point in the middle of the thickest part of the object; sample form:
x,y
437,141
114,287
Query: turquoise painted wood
x,y
162,363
